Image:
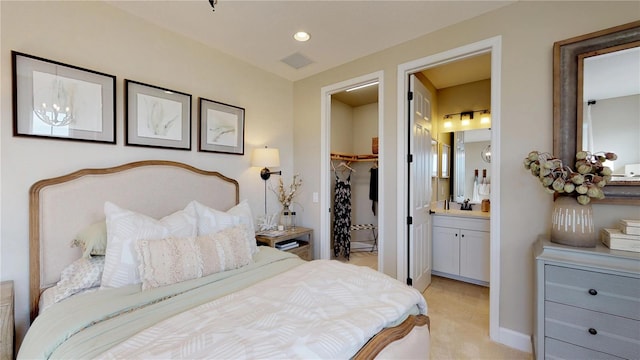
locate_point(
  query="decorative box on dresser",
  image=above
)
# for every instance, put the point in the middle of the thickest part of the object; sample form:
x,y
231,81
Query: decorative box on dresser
x,y
304,237
587,302
6,320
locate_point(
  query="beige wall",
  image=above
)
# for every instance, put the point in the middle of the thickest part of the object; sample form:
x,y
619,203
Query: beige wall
x,y
528,31
97,36
341,127
456,99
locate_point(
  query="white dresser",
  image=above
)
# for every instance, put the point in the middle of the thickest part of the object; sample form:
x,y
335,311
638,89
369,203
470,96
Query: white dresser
x,y
587,303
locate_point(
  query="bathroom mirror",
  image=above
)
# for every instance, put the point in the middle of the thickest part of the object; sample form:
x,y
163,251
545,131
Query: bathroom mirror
x,y
468,149
568,98
608,101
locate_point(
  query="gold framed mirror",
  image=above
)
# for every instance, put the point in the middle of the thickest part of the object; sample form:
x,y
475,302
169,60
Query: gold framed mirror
x,y
568,99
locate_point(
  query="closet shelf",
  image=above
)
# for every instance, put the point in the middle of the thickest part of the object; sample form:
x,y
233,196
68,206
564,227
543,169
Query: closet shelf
x,y
354,157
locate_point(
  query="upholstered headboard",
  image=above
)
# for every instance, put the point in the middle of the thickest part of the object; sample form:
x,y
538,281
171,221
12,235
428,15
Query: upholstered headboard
x,y
60,207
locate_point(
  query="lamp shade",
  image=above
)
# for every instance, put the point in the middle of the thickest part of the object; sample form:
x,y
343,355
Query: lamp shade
x,y
265,158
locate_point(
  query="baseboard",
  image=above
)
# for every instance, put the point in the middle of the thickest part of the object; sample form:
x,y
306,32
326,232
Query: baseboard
x,y
515,340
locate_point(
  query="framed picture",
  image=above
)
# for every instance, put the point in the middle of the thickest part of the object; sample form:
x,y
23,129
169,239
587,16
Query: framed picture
x,y
58,101
221,127
445,155
157,117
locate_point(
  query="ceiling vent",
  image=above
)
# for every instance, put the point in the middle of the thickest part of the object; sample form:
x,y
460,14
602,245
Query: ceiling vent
x,y
297,60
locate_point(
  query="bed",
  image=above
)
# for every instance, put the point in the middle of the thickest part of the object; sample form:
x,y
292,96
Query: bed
x,y
196,286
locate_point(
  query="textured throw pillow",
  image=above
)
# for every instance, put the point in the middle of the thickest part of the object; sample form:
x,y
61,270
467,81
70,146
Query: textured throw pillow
x,y
124,228
82,274
212,220
92,239
172,260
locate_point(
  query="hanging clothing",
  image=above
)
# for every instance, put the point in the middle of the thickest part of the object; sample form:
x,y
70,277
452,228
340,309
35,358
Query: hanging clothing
x,y
373,188
342,217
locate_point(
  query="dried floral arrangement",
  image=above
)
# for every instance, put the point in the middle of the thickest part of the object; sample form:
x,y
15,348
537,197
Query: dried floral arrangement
x,y
584,184
285,197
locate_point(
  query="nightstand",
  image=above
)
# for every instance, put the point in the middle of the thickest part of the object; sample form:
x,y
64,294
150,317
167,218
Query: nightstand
x,y
6,320
304,236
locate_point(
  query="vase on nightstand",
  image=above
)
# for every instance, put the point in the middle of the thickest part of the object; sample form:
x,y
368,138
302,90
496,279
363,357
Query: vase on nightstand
x,y
285,217
572,223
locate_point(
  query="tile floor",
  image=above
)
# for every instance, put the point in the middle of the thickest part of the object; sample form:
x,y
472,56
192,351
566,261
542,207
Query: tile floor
x,y
459,315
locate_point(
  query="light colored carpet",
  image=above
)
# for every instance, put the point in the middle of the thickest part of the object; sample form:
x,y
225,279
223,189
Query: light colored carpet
x,y
459,315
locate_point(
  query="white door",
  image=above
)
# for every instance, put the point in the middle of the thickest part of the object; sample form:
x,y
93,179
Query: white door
x,y
420,185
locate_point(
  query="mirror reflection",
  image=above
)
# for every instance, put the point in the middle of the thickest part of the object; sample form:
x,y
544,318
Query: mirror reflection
x,y
609,115
472,177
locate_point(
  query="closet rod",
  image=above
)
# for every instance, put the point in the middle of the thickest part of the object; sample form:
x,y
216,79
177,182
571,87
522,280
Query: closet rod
x,y
353,157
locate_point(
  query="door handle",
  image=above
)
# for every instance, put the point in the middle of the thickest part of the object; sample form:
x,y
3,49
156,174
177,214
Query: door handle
x,y
431,212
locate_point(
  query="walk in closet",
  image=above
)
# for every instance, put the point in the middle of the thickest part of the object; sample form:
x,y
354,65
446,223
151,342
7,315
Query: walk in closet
x,y
354,174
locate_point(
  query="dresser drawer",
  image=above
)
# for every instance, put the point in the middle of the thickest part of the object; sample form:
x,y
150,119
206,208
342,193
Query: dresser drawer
x,y
612,334
556,349
612,294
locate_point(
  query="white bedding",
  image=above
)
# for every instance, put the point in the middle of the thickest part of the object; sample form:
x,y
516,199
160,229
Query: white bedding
x,y
303,313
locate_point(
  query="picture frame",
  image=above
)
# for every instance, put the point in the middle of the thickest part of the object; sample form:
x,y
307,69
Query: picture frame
x,y
157,117
445,155
221,127
52,100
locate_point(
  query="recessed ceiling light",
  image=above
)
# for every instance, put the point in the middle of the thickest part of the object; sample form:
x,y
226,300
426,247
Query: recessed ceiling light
x,y
301,36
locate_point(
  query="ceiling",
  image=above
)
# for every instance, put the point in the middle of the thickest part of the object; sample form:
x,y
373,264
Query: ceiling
x,y
261,32
455,73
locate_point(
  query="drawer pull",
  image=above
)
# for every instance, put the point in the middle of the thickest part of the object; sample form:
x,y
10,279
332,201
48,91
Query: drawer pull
x,y
593,331
593,292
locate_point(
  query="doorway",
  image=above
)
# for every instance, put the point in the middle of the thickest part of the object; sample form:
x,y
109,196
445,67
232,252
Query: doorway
x,y
358,161
493,47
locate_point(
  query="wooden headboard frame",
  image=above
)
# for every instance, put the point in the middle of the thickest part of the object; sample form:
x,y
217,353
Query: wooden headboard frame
x,y
62,206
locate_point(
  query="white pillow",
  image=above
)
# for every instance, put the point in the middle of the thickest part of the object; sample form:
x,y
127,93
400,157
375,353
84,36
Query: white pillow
x,y
212,220
124,228
243,210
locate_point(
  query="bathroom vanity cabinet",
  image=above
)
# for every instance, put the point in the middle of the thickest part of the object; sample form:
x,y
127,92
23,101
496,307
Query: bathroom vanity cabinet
x,y
461,248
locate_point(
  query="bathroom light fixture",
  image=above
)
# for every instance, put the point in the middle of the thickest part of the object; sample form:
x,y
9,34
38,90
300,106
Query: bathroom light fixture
x,y
302,36
447,121
466,117
266,158
362,86
485,117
